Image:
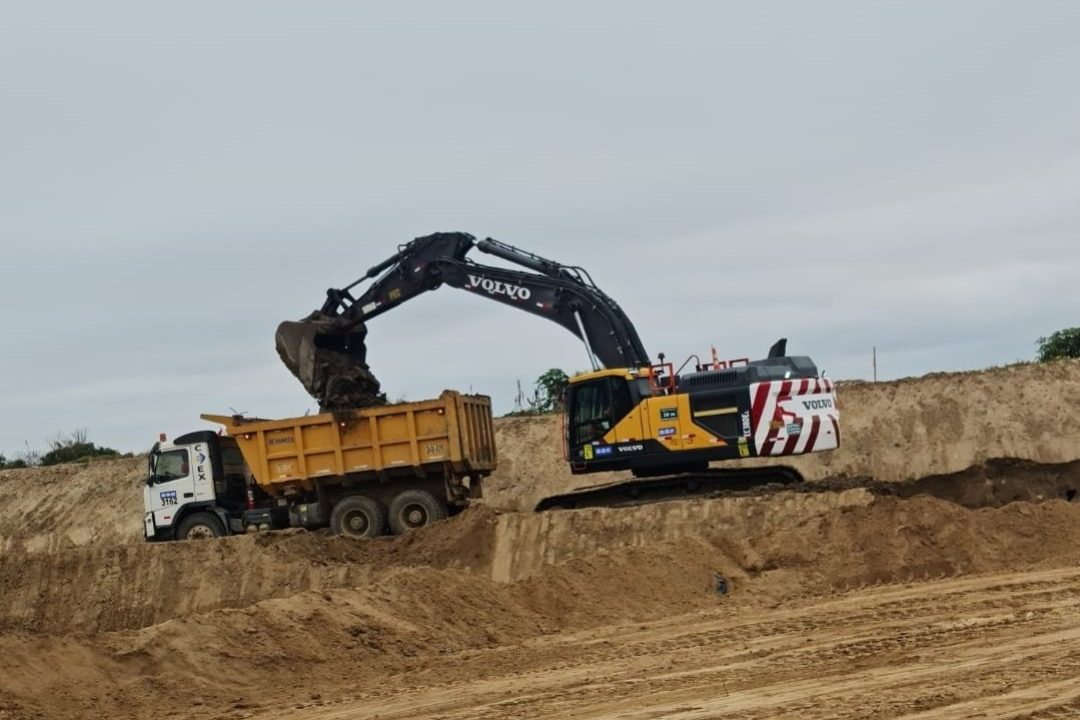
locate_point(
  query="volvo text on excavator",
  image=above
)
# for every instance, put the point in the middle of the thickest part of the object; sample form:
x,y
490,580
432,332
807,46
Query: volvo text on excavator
x,y
628,413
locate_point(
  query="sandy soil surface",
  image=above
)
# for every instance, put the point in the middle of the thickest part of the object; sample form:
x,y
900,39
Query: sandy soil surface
x,y
989,646
956,595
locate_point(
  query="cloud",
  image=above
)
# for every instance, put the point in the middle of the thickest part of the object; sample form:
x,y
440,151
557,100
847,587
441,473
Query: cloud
x,y
178,178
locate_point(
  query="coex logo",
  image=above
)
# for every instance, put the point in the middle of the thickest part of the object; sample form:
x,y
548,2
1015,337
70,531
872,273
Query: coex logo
x,y
497,287
817,404
201,467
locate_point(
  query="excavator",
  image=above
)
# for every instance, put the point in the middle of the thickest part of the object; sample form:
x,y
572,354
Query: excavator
x,y
630,413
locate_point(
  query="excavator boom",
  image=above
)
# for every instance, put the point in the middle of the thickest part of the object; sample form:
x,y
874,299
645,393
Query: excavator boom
x,y
326,350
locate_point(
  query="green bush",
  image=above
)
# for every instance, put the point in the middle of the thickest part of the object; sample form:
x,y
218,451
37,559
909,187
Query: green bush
x,y
15,464
75,447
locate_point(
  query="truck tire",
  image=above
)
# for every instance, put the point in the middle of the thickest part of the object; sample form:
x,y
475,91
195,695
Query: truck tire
x,y
200,526
358,516
414,509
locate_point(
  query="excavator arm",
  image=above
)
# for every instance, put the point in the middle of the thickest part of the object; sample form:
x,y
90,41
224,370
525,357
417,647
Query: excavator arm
x,y
326,350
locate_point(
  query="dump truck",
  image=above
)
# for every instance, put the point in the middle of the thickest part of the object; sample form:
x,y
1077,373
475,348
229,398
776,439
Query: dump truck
x,y
361,473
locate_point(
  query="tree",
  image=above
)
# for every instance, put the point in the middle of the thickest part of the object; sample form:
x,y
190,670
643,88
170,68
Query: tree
x,y
549,391
1062,344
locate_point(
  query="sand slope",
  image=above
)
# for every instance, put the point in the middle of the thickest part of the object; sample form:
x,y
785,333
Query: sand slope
x,y
901,605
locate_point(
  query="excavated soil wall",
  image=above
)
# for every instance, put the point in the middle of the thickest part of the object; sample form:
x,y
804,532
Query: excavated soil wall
x,y
809,540
64,506
241,623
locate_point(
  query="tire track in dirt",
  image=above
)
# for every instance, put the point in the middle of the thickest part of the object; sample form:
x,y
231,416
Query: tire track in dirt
x,y
998,646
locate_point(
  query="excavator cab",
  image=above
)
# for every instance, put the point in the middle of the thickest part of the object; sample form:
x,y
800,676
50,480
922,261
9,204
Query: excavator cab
x,y
596,406
602,421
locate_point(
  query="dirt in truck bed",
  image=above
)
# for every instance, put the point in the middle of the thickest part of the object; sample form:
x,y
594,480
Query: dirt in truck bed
x,y
956,596
329,361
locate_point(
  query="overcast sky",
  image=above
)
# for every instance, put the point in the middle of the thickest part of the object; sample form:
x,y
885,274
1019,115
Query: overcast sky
x,y
178,177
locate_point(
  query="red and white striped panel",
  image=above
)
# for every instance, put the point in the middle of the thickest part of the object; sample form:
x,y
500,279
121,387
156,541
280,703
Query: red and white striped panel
x,y
792,417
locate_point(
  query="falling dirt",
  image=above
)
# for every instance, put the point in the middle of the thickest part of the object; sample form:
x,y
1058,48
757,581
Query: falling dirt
x,y
946,589
327,355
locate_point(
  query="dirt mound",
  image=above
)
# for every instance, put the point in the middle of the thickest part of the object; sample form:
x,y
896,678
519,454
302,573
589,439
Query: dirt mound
x,y
891,431
793,543
827,535
308,610
947,422
97,588
71,505
999,482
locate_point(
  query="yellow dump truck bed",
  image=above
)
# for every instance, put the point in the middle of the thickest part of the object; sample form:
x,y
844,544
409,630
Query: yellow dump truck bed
x,y
453,435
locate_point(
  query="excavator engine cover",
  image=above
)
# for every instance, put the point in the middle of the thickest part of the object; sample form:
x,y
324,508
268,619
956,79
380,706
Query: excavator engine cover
x,y
327,355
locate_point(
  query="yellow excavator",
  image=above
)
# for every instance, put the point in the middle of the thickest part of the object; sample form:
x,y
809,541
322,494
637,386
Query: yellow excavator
x,y
662,423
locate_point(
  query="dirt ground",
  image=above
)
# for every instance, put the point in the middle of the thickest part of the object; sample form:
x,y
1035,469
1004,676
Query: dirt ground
x,y
922,650
955,595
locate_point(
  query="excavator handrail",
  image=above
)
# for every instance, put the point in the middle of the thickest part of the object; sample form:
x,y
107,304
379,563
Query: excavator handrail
x,y
662,377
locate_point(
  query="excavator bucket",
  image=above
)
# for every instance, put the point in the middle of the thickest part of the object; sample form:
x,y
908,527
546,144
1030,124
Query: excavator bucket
x,y
327,356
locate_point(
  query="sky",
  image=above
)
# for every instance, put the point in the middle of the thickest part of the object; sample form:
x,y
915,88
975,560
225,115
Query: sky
x,y
178,176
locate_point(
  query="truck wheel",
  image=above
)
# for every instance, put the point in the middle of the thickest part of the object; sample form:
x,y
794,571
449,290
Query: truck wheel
x,y
414,509
357,516
200,526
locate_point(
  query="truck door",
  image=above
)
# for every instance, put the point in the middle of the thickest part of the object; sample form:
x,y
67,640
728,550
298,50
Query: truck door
x,y
172,485
231,487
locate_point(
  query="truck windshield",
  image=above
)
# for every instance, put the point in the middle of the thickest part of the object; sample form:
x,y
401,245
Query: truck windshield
x,y
171,465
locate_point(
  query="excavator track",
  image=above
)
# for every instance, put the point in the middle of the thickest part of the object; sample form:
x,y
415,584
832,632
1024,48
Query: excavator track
x,y
713,482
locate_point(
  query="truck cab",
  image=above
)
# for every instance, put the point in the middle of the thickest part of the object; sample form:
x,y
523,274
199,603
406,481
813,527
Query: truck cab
x,y
196,487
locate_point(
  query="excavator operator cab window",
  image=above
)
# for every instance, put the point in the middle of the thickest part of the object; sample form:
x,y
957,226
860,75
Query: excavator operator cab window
x,y
596,407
